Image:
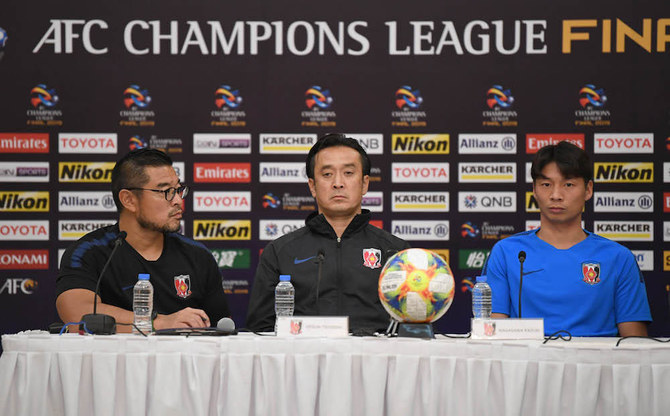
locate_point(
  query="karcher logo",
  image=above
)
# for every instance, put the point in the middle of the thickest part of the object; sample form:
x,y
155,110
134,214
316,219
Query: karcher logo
x,y
222,230
625,230
420,144
87,172
666,261
420,201
624,172
20,201
531,203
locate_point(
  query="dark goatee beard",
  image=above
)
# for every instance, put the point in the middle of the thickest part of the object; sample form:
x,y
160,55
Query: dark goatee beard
x,y
164,228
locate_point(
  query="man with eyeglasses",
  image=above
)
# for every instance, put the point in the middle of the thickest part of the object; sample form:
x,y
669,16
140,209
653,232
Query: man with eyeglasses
x,y
186,279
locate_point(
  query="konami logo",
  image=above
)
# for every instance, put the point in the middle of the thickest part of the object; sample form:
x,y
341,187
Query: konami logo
x,y
24,142
221,201
666,201
24,230
623,143
222,172
535,142
24,259
87,143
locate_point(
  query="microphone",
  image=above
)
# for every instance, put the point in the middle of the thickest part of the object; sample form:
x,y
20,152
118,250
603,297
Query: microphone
x,y
101,324
522,258
319,260
226,325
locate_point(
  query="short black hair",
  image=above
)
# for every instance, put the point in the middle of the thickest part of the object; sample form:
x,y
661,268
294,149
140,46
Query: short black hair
x,y
572,161
336,139
129,170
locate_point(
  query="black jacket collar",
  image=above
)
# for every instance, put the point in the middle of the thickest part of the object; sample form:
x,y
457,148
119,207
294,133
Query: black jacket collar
x,y
317,223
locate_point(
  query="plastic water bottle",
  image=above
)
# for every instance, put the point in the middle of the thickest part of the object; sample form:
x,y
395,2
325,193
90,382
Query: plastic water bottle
x,y
284,296
481,298
143,303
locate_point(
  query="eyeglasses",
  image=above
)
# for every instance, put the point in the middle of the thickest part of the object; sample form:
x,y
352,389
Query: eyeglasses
x,y
169,193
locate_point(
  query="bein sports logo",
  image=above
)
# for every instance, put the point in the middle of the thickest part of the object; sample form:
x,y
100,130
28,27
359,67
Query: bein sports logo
x,y
317,97
136,97
592,97
226,96
42,96
405,97
498,97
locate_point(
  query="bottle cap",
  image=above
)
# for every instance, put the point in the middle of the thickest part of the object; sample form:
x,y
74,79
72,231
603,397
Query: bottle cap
x,y
284,277
143,276
481,279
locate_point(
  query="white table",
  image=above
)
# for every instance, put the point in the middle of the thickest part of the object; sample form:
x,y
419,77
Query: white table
x,y
43,374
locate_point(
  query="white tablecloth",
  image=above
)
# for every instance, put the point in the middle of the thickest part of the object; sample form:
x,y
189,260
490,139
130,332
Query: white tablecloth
x,y
43,374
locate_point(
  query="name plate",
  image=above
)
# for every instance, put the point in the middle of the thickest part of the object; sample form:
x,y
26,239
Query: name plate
x,y
313,326
524,328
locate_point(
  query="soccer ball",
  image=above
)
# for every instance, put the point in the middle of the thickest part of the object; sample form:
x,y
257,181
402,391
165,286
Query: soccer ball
x,y
416,285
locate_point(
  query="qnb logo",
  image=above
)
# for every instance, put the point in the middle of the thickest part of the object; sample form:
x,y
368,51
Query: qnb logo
x,y
226,96
42,96
407,98
15,286
318,98
592,97
136,97
487,201
497,97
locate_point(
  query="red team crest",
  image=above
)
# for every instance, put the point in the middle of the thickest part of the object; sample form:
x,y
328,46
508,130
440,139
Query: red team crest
x,y
591,273
372,258
182,284
296,327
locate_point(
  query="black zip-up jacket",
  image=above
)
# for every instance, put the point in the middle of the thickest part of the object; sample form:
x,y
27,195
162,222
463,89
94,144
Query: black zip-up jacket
x,y
350,268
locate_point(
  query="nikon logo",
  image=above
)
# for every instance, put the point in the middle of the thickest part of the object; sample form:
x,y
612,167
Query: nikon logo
x,y
624,172
24,201
222,230
85,171
531,203
420,144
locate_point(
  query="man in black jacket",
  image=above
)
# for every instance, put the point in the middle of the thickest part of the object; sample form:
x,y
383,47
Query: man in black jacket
x,y
335,260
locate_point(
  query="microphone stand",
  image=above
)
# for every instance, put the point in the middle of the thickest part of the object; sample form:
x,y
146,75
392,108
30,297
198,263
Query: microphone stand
x,y
319,259
522,258
98,323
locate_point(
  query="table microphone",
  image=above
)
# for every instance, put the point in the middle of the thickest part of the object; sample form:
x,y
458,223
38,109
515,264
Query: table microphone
x,y
98,323
226,325
522,258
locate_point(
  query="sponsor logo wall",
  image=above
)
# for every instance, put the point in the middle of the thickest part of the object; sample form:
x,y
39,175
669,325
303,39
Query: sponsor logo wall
x,y
450,150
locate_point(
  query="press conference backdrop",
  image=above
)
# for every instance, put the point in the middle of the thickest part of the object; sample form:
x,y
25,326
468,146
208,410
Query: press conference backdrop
x,y
450,99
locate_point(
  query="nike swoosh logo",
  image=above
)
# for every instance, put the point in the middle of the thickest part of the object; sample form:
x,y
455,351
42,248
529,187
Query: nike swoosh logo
x,y
127,287
532,271
298,261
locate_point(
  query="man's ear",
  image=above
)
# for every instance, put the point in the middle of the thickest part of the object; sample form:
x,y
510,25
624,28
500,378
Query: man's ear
x,y
589,190
128,199
312,187
366,183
